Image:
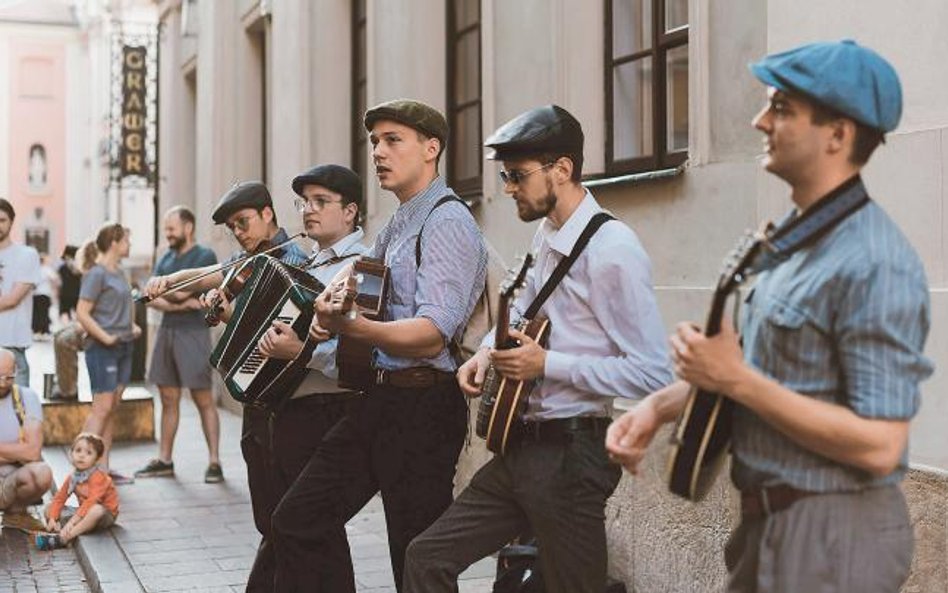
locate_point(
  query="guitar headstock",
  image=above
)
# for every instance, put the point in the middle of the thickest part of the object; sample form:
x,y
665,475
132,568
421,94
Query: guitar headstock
x,y
739,260
516,277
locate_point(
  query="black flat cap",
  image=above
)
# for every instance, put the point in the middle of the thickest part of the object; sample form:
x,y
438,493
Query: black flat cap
x,y
543,129
341,180
414,114
244,194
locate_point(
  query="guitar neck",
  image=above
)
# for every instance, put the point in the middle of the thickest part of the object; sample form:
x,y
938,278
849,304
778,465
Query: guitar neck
x,y
502,333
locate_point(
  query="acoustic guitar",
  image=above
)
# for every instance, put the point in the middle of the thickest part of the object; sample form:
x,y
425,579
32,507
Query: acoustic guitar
x,y
503,400
703,433
364,289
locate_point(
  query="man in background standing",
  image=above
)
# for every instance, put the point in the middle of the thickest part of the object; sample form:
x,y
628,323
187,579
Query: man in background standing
x,y
19,275
181,351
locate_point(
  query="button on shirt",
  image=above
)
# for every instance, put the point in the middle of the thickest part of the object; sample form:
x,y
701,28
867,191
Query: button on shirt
x,y
606,338
445,288
323,374
843,321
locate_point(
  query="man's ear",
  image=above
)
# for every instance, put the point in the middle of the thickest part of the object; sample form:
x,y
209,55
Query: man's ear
x,y
432,148
563,169
842,135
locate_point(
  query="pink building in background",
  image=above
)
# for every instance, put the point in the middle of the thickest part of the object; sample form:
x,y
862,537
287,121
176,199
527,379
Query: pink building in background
x,y
37,142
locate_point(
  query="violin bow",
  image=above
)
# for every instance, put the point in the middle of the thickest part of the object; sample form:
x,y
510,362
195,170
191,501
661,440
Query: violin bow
x,y
185,283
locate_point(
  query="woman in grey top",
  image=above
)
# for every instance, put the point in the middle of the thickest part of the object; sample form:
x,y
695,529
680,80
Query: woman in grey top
x,y
105,313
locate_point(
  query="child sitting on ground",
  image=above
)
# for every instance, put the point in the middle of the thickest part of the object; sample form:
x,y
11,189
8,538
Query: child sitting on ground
x,y
98,498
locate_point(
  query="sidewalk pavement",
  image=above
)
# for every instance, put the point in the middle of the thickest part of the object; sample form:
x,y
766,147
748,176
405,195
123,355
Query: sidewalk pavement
x,y
180,534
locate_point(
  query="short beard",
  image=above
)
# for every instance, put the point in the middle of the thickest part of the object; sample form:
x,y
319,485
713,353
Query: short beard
x,y
176,243
547,204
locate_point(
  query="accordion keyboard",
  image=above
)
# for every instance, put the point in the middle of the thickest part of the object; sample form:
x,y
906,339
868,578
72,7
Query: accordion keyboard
x,y
251,367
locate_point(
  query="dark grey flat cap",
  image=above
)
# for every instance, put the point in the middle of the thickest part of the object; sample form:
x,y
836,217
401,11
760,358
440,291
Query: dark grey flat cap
x,y
341,180
244,194
544,129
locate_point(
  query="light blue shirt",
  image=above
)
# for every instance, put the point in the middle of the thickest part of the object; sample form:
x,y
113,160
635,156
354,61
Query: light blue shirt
x,y
843,321
606,338
323,374
447,284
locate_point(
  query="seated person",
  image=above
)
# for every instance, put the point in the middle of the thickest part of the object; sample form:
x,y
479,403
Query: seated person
x,y
98,498
23,476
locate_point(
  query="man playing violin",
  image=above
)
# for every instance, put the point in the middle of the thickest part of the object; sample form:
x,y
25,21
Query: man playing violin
x,y
247,210
606,340
330,201
405,435
182,347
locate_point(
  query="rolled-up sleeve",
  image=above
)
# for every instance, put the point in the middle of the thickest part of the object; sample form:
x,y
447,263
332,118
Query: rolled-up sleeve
x,y
451,274
882,329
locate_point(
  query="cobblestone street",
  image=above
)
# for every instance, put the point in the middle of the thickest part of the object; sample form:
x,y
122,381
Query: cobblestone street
x,y
24,569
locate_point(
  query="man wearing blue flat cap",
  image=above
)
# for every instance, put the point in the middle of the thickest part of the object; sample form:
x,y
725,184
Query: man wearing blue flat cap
x,y
832,335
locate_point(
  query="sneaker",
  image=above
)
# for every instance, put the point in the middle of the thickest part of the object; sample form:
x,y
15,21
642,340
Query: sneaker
x,y
214,474
23,521
48,541
155,468
120,479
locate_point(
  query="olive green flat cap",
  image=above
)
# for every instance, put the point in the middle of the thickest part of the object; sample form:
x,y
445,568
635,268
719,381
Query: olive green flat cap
x,y
414,114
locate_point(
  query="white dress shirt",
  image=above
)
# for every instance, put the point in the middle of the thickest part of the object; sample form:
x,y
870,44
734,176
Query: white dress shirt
x,y
607,338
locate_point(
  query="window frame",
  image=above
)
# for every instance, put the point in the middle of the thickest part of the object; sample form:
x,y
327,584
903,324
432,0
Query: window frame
x,y
359,143
661,43
470,188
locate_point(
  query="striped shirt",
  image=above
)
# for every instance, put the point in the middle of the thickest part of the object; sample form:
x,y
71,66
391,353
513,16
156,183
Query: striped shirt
x,y
606,333
445,288
323,371
843,320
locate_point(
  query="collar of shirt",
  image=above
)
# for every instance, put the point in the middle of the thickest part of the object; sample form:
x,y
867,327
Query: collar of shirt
x,y
420,204
562,239
340,247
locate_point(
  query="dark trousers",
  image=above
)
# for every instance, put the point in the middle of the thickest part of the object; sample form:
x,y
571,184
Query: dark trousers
x,y
555,487
400,441
41,303
276,447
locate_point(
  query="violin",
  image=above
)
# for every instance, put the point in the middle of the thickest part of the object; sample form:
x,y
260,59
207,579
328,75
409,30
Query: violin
x,y
234,283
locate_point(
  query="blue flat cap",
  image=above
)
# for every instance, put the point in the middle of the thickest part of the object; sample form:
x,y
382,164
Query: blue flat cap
x,y
842,75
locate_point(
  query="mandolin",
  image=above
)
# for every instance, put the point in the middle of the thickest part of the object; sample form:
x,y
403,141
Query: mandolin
x,y
703,432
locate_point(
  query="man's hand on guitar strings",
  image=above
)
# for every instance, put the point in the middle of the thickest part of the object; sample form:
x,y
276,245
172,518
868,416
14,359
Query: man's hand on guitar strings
x,y
523,363
714,364
327,314
471,373
280,341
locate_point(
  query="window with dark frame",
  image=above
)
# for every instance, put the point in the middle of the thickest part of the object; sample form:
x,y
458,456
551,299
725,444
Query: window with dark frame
x,y
359,139
464,155
646,85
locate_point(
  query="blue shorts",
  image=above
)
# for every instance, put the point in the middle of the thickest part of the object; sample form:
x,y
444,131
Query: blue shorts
x,y
108,366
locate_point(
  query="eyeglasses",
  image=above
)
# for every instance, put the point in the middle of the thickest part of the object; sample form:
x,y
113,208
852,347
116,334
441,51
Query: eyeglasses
x,y
312,204
7,378
515,176
241,224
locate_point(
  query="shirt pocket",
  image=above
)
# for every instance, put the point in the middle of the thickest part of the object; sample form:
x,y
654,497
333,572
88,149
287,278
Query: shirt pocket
x,y
797,339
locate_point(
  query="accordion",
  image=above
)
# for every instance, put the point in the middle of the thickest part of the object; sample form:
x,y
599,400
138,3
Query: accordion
x,y
274,290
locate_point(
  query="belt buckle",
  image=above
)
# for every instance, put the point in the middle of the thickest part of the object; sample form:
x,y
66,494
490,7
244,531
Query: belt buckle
x,y
381,376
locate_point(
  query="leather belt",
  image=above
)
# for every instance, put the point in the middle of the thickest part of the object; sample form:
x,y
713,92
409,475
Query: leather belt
x,y
770,500
558,428
413,377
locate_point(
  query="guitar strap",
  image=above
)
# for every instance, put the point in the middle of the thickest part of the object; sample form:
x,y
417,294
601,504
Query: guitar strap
x,y
565,264
796,232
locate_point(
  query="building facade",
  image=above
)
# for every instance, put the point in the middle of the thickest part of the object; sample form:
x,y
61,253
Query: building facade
x,y
261,89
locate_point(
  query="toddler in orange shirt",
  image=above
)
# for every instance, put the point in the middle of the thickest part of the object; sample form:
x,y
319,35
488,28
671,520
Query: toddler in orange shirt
x,y
98,498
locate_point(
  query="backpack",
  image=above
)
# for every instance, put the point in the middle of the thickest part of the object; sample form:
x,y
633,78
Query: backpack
x,y
484,316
